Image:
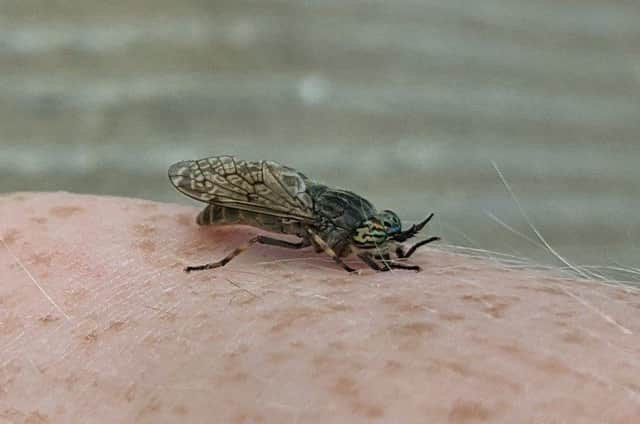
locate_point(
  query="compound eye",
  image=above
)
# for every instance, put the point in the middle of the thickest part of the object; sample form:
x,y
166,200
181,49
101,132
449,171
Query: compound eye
x,y
391,227
390,221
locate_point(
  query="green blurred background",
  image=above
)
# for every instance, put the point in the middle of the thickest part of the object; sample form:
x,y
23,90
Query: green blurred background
x,y
406,102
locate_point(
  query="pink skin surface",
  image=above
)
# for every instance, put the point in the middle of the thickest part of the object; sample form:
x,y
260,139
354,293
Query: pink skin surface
x,y
98,323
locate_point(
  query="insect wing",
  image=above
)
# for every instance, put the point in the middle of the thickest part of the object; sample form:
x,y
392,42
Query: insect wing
x,y
259,186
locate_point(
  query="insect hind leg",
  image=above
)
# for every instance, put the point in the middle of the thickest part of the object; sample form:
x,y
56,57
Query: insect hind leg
x,y
257,239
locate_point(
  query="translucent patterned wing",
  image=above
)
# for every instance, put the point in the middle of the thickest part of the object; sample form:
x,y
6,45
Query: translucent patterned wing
x,y
259,186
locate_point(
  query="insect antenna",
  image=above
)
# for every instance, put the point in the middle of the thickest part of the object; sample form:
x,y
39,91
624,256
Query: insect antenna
x,y
412,231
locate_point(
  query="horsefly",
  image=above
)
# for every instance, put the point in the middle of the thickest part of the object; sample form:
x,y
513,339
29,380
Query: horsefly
x,y
279,199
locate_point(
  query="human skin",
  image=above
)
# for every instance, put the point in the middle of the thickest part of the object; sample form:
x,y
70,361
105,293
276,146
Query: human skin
x,y
98,323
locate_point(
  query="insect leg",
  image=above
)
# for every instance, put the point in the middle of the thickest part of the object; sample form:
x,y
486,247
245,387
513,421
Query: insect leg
x,y
283,243
397,265
384,257
387,265
257,239
224,260
402,254
367,259
323,246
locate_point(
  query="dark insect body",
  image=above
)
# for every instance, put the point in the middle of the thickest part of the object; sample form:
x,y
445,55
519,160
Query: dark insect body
x,y
279,199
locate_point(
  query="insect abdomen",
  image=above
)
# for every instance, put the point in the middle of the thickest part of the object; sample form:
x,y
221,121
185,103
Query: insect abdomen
x,y
211,215
220,215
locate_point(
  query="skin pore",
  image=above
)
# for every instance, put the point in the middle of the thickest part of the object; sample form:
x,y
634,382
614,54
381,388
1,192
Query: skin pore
x,y
99,323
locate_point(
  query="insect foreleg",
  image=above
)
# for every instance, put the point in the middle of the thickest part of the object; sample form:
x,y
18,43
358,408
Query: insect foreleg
x,y
372,263
402,254
384,257
323,246
397,265
257,239
387,265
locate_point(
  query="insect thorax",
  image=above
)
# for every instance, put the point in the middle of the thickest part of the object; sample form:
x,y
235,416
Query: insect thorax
x,y
337,214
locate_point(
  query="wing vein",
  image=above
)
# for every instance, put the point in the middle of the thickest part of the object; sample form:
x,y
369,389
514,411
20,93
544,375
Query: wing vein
x,y
294,197
243,192
247,176
248,185
281,185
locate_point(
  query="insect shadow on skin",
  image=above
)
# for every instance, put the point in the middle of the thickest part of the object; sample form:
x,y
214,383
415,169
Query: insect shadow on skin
x,y
279,199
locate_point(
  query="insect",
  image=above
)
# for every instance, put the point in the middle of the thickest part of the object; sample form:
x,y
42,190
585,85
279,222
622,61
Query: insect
x,y
279,199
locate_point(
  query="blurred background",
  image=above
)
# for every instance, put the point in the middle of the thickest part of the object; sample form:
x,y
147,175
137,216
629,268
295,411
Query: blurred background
x,y
406,102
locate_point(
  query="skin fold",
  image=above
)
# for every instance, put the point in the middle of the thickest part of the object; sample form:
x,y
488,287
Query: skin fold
x,y
99,323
